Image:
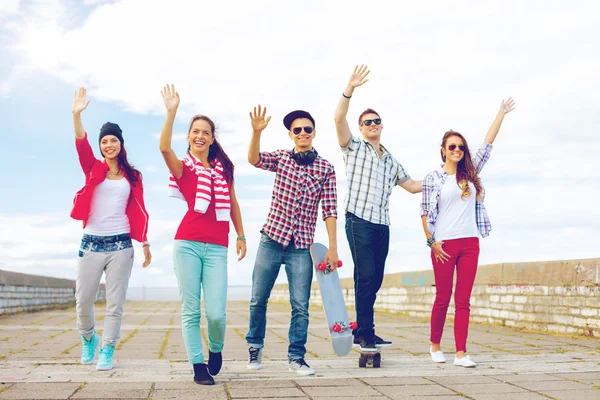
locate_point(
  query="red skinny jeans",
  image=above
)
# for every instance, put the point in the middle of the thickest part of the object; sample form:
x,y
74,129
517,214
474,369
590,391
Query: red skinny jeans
x,y
464,255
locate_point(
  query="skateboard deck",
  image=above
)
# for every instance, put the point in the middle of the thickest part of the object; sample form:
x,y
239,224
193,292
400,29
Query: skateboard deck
x,y
369,359
340,328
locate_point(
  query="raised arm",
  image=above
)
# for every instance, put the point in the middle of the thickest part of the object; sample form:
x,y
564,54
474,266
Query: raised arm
x,y
505,107
357,78
79,104
259,123
171,100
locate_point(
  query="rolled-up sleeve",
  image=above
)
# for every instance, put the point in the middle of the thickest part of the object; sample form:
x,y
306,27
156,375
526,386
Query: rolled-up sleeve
x,y
269,160
402,175
329,196
426,193
352,145
482,156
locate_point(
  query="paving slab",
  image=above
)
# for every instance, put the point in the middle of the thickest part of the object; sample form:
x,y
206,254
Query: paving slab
x,y
39,359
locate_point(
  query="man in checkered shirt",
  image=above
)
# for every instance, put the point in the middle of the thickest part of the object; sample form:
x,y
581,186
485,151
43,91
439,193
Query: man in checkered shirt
x,y
372,173
303,180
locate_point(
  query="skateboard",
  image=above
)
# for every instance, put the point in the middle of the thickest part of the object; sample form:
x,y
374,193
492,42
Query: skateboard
x,y
340,328
369,359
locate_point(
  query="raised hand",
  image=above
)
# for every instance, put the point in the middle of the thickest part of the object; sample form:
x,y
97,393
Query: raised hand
x,y
507,106
259,122
359,76
79,102
170,97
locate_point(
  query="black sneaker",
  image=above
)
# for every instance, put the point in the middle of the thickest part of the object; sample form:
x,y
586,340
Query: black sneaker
x,y
215,361
379,342
202,376
368,345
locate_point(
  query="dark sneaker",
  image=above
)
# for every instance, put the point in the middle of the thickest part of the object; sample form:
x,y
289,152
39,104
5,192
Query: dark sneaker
x,y
300,366
356,341
368,346
254,358
215,361
202,376
379,342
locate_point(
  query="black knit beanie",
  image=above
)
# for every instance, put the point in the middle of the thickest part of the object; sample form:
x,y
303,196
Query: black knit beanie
x,y
111,129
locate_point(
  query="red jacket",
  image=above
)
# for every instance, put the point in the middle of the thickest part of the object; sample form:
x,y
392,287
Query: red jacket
x,y
95,172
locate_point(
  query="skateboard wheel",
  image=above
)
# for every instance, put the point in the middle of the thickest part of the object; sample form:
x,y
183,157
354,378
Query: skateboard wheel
x,y
340,263
362,362
353,325
377,361
322,266
336,328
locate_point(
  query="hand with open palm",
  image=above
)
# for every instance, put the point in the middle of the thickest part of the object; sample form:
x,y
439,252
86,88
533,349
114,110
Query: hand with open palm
x,y
170,97
507,106
259,122
359,76
79,102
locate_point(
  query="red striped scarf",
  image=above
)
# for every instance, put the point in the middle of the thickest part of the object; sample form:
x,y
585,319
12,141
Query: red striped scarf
x,y
209,180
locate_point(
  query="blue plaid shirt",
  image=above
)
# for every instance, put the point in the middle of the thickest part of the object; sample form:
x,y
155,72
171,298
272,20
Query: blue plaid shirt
x,y
432,186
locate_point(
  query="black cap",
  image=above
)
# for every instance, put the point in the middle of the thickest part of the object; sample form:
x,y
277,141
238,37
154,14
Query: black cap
x,y
111,129
294,115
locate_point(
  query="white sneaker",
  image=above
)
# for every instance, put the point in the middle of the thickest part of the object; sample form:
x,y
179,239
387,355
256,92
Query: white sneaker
x,y
254,358
437,356
300,367
464,362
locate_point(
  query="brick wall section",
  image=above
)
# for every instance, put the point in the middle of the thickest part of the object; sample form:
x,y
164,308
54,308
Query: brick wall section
x,y
557,296
23,292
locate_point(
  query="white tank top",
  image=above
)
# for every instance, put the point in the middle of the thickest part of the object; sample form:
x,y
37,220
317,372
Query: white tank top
x,y
456,217
107,214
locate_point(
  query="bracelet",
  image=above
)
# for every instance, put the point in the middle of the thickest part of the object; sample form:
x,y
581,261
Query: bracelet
x,y
344,94
145,243
430,241
242,238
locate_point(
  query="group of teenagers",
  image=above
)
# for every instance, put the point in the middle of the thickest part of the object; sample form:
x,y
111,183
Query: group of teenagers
x,y
111,206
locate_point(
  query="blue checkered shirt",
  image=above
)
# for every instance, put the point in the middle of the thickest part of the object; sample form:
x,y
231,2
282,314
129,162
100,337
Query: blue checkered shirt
x,y
432,186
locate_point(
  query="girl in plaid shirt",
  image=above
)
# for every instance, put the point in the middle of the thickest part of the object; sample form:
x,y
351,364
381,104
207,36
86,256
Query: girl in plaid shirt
x,y
453,218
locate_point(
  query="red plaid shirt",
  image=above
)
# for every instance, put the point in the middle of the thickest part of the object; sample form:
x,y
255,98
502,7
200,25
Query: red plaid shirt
x,y
296,194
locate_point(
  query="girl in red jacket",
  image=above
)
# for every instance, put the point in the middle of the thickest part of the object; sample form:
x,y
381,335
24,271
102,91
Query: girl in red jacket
x,y
111,206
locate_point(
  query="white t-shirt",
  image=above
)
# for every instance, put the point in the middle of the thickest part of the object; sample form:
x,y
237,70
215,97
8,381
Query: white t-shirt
x,y
456,217
107,213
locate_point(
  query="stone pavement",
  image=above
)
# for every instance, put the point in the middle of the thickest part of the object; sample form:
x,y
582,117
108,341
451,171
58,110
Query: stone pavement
x,y
39,353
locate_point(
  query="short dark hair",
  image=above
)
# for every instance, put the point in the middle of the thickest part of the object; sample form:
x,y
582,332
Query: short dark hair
x,y
367,111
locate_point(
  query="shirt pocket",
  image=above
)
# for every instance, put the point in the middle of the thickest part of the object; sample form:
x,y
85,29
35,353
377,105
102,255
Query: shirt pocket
x,y
313,185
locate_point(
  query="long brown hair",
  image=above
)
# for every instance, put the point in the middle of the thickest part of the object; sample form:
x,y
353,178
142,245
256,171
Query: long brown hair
x,y
465,170
133,175
215,151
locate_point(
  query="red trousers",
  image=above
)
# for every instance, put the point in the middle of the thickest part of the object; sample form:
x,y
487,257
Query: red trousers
x,y
464,255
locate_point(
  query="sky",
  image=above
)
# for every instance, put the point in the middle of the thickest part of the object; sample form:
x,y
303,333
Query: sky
x,y
434,65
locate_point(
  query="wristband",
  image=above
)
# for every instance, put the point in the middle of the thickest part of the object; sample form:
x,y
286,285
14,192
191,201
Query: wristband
x,y
145,243
430,241
242,238
344,94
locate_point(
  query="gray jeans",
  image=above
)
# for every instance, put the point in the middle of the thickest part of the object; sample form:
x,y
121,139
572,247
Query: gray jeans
x,y
114,256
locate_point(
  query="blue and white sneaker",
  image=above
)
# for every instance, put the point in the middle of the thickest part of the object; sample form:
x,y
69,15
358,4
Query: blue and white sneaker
x,y
88,348
105,361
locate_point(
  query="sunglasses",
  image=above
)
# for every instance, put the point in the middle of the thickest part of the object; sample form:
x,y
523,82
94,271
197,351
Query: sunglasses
x,y
368,122
452,147
307,129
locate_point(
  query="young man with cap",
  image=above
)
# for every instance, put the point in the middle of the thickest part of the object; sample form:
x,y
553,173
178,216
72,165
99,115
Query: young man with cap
x,y
372,172
303,180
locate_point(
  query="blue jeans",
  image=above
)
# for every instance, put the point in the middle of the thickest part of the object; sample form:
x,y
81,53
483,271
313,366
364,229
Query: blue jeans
x,y
298,267
369,244
201,266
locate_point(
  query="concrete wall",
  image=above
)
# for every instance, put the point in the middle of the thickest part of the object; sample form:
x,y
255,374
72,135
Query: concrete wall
x,y
22,292
556,296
